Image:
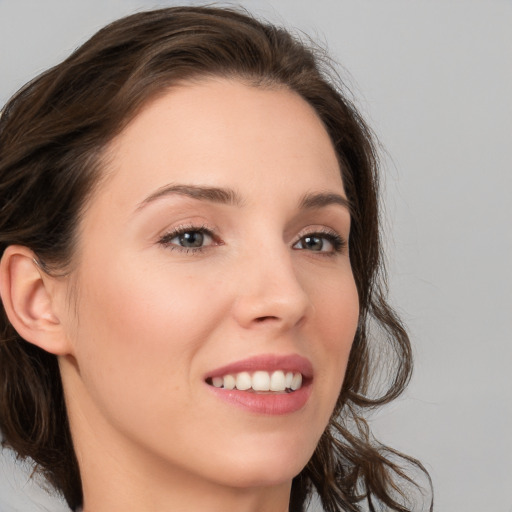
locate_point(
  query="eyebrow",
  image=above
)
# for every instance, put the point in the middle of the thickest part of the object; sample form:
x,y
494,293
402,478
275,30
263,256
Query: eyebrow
x,y
211,194
320,200
229,196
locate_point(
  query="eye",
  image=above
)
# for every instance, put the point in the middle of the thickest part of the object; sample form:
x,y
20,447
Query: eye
x,y
188,238
329,243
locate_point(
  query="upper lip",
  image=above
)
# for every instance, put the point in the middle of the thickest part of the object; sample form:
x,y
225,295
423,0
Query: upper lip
x,y
267,362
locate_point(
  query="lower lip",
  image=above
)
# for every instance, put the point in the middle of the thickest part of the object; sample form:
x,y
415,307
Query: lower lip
x,y
265,403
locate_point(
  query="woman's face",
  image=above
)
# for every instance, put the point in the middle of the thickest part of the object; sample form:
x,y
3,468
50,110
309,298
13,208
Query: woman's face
x,y
214,254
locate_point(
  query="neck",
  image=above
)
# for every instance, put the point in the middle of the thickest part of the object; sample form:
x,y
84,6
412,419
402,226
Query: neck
x,y
192,496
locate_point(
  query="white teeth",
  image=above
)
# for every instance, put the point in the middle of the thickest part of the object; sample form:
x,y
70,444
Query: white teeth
x,y
296,382
243,381
229,382
261,381
218,382
277,381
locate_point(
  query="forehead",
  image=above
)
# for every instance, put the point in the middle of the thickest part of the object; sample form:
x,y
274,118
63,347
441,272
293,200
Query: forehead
x,y
223,133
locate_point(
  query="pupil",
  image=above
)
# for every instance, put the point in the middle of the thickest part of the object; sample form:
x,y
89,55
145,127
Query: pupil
x,y
313,243
192,239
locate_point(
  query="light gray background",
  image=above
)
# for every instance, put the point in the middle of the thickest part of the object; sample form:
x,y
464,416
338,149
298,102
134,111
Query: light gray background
x,y
434,79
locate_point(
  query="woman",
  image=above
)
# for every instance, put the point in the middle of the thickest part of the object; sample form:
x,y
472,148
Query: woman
x,y
190,266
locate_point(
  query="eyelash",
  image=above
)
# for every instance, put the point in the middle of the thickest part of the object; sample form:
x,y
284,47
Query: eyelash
x,y
165,240
338,243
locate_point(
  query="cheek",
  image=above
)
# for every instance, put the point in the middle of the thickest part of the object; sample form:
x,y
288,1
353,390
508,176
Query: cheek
x,y
139,331
342,322
337,307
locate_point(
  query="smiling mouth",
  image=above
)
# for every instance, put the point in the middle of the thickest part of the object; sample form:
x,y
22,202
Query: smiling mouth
x,y
260,381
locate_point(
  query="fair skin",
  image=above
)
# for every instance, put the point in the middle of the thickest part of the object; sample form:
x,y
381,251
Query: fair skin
x,y
173,280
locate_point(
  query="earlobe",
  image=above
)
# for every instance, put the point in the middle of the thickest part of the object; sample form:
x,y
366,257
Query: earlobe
x,y
27,297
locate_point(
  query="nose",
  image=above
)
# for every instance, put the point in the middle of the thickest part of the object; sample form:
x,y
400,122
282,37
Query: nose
x,y
269,291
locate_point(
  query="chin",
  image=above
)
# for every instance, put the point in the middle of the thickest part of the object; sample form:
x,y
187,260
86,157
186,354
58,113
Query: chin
x,y
271,475
266,465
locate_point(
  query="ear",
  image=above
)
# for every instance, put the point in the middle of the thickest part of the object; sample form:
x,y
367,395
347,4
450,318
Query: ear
x,y
28,297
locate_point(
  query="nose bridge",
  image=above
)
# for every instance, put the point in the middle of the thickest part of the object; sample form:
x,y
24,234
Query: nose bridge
x,y
269,288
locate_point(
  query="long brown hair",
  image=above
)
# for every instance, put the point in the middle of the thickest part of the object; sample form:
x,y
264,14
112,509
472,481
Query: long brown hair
x,y
52,135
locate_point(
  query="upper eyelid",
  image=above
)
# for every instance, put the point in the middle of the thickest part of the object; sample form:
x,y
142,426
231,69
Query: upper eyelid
x,y
337,239
183,228
321,230
166,236
211,231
